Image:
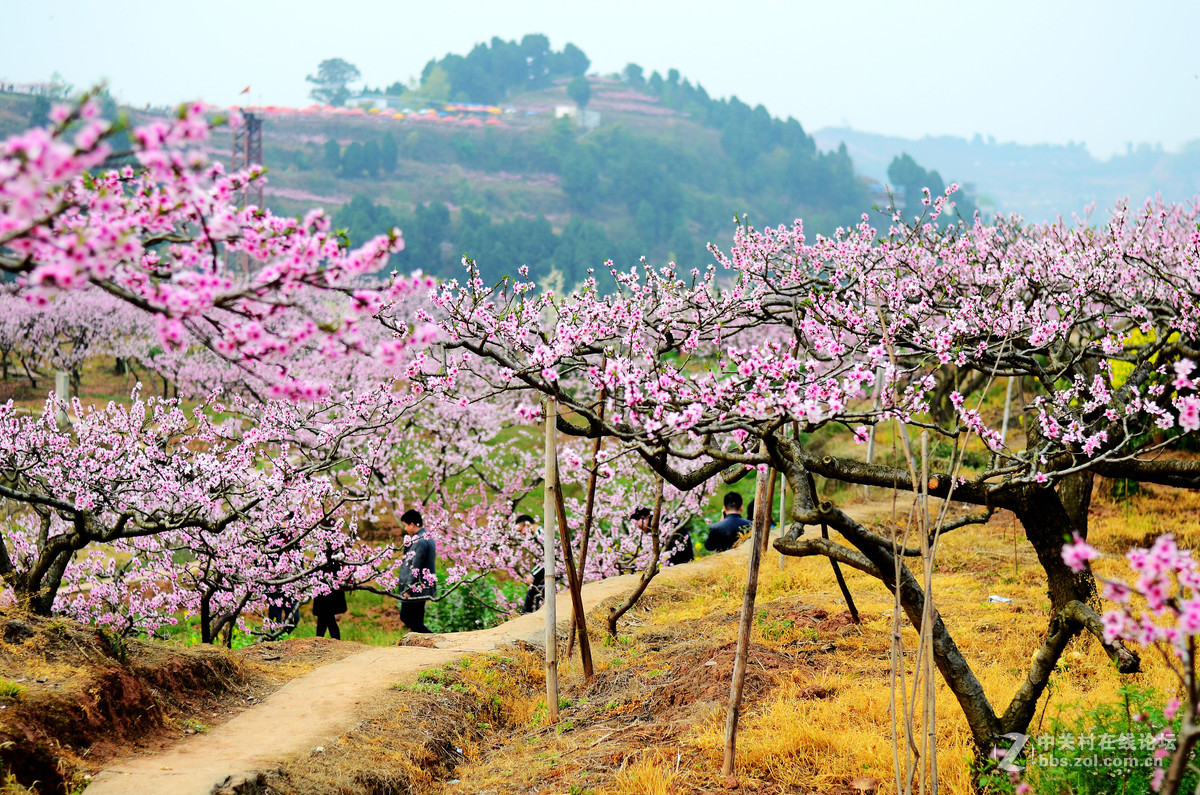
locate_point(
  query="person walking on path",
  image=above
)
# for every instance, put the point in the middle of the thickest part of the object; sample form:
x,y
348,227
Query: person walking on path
x,y
417,580
724,534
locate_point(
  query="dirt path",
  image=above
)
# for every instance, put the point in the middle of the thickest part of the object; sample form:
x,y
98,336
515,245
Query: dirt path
x,y
317,708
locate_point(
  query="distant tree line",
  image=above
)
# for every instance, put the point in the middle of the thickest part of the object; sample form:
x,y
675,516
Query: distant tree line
x,y
751,135
489,73
904,173
436,242
369,158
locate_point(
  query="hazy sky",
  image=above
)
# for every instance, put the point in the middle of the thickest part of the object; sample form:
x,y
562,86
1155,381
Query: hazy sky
x,y
1105,73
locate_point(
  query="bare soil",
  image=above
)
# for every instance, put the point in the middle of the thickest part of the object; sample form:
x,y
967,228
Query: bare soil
x,y
80,698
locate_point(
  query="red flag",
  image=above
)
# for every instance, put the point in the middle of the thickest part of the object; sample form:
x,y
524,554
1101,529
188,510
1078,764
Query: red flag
x,y
245,90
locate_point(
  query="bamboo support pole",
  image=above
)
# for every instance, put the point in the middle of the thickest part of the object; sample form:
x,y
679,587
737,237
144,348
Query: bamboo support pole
x,y
548,522
761,520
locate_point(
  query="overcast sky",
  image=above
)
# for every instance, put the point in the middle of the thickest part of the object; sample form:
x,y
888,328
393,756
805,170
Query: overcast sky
x,y
1032,71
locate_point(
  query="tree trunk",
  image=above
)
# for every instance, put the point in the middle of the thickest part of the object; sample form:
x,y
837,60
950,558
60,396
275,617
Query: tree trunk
x,y
206,618
574,578
1075,493
589,511
614,615
29,373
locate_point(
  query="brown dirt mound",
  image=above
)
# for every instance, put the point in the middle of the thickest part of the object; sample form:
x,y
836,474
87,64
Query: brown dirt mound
x,y
705,676
820,619
77,697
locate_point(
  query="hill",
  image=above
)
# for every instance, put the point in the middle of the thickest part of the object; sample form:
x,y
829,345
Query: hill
x,y
512,156
524,187
1038,182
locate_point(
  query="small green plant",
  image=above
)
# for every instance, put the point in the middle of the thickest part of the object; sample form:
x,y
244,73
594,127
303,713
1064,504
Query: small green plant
x,y
993,781
419,687
772,629
117,644
10,689
1125,489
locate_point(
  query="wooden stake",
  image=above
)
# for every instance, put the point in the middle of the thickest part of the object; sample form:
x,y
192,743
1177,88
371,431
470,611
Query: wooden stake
x,y
548,581
929,718
762,513
1007,411
589,506
782,516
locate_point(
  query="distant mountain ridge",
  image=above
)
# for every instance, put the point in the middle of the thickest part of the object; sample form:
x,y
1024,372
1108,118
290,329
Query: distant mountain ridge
x,y
1038,182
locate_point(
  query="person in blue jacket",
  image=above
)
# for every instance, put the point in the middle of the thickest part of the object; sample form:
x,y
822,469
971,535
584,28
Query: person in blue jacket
x,y
724,534
416,588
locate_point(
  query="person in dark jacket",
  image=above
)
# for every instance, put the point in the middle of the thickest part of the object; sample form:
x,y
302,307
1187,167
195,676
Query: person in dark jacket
x,y
416,580
724,534
328,606
641,519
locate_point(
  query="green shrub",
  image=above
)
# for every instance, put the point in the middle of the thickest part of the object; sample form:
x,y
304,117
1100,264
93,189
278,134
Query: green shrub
x,y
1109,749
470,606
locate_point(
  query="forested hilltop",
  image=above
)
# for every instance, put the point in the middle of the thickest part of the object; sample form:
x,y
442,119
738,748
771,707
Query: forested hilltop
x,y
513,155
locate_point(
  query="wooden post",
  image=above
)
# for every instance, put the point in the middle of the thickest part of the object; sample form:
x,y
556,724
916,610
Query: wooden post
x,y
1007,411
766,536
762,513
929,703
62,391
782,516
589,507
871,433
548,522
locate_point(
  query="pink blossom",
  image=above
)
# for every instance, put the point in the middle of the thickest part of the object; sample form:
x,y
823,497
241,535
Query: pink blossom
x,y
1077,554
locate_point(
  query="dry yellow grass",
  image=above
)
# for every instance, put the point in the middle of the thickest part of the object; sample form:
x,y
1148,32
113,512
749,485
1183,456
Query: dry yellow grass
x,y
650,774
814,744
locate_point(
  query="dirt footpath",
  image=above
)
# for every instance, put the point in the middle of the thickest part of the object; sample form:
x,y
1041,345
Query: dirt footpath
x,y
317,708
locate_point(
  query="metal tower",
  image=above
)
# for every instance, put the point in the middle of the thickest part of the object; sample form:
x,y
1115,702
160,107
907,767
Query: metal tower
x,y
248,151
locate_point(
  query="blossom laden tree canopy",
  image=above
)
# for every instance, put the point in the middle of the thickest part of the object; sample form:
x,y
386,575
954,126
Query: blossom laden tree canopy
x,y
784,335
167,237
